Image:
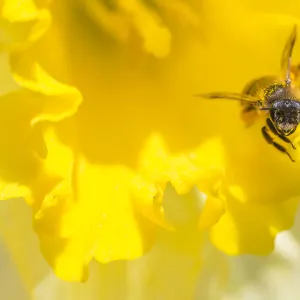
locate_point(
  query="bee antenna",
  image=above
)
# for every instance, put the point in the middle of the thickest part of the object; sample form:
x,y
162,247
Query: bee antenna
x,y
267,108
288,73
289,48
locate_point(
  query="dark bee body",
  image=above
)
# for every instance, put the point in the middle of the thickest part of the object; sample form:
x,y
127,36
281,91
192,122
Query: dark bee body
x,y
276,99
285,115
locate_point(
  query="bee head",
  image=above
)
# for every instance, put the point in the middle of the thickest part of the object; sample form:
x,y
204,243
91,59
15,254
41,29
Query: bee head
x,y
286,128
286,116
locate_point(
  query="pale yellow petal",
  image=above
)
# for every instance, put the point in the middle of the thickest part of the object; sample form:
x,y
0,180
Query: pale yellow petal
x,y
18,237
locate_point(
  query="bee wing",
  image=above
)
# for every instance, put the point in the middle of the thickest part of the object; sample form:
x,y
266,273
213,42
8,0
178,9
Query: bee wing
x,y
256,87
231,96
287,53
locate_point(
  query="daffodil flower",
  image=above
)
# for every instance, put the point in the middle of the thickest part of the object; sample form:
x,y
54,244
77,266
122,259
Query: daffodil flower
x,y
103,118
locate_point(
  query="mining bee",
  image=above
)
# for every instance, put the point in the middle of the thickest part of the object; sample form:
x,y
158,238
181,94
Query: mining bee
x,y
277,98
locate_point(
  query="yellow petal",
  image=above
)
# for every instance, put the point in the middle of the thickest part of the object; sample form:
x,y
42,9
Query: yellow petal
x,y
129,95
246,228
148,198
111,21
124,19
55,100
183,11
89,214
157,164
213,210
203,168
147,23
13,191
21,23
22,147
210,155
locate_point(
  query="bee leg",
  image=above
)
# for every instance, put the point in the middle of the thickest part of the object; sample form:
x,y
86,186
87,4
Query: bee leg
x,y
273,129
284,138
270,140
